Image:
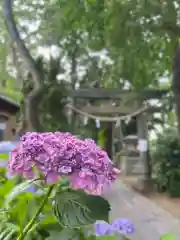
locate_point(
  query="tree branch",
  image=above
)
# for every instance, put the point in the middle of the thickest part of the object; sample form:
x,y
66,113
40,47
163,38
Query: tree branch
x,y
30,111
174,29
30,34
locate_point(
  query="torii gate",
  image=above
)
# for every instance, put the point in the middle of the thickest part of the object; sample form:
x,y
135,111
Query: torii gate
x,y
129,102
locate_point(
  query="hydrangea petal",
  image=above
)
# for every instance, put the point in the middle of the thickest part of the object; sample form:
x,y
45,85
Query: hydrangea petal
x,y
57,154
102,228
124,226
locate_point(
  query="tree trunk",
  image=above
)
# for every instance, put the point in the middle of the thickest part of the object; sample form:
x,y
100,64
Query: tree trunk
x,y
176,82
74,81
31,107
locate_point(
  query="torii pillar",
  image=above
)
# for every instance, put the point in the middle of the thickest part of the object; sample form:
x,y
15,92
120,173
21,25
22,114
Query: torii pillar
x,y
109,135
144,182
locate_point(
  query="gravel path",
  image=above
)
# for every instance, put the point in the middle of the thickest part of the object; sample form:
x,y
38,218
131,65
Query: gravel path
x,y
150,220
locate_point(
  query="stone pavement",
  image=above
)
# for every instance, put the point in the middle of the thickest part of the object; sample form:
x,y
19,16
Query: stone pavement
x,y
149,219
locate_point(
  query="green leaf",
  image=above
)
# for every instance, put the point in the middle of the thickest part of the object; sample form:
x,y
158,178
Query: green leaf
x,y
19,212
168,236
50,224
6,188
106,238
12,226
76,208
18,189
65,234
4,233
7,231
9,235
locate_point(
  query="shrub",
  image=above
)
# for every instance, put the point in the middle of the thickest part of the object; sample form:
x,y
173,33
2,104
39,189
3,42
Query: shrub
x,y
166,162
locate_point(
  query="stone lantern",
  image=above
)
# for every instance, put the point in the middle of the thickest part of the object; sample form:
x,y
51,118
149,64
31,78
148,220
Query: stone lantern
x,y
130,157
130,145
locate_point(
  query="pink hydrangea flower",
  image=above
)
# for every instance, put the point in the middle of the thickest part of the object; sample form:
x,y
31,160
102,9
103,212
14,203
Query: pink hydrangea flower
x,y
60,154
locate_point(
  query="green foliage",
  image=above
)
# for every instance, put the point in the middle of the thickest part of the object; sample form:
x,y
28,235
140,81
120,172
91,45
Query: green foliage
x,y
17,206
168,236
76,208
135,34
166,162
101,139
106,238
67,234
10,90
17,189
73,211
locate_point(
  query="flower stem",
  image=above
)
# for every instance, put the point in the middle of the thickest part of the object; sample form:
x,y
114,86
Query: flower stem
x,y
33,220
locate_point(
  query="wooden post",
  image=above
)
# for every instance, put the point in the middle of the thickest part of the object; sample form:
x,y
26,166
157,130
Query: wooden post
x,y
145,179
109,134
120,137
